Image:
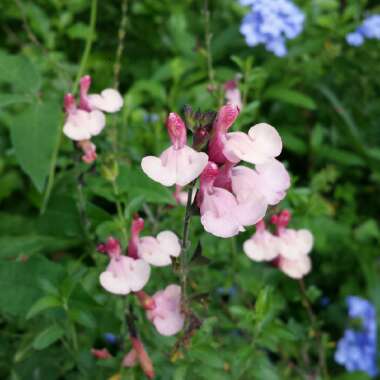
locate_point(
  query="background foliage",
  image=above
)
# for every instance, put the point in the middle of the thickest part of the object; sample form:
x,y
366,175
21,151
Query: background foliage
x,y
324,100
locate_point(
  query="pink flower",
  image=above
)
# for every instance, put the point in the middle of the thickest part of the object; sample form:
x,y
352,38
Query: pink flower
x,y
262,246
260,145
217,206
267,184
166,313
295,268
156,251
179,164
88,119
232,94
123,274
288,250
101,354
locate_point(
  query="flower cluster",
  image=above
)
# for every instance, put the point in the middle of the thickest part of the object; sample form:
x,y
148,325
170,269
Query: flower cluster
x,y
231,196
357,348
287,249
87,119
271,23
130,273
369,29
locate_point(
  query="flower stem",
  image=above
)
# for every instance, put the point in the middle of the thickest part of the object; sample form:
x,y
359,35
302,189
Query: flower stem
x,y
314,323
185,244
208,37
89,40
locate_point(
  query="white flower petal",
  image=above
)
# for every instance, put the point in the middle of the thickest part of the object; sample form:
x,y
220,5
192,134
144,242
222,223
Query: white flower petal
x,y
109,100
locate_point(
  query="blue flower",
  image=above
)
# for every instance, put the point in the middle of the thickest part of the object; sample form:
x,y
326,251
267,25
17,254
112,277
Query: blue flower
x,y
369,29
110,338
356,350
271,23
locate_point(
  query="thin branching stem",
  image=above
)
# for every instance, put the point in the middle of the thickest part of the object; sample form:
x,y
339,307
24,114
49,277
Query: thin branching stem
x,y
208,37
314,323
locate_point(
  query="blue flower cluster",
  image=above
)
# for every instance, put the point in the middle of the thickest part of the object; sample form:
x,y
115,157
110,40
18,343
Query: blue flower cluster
x,y
357,348
271,23
369,29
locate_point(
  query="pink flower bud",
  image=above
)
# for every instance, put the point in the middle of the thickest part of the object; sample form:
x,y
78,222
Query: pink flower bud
x,y
177,130
136,228
101,354
144,359
69,103
111,247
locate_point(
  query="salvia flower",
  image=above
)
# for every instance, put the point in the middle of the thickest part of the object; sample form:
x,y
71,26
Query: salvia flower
x,y
369,29
124,274
179,164
261,145
288,249
165,311
271,23
356,350
88,120
157,251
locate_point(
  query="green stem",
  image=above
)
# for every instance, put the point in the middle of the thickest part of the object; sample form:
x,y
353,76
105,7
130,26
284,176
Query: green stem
x,y
184,245
314,323
208,37
88,45
120,213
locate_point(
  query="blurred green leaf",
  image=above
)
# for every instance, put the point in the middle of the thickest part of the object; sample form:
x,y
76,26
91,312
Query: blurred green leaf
x,y
290,96
43,304
34,134
47,337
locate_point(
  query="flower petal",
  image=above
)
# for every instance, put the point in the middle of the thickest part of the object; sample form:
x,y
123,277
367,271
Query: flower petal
x,y
272,181
161,169
169,243
295,268
266,140
82,125
262,246
109,100
190,165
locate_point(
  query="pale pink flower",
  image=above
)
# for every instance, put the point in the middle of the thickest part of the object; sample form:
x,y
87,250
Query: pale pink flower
x,y
166,313
294,247
294,244
262,246
266,184
88,120
179,164
232,94
260,145
123,274
294,268
217,206
288,250
157,251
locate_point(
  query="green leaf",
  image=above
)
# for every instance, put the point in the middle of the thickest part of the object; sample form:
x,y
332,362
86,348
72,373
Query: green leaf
x,y
34,133
19,72
47,337
42,304
19,283
8,99
28,245
290,96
